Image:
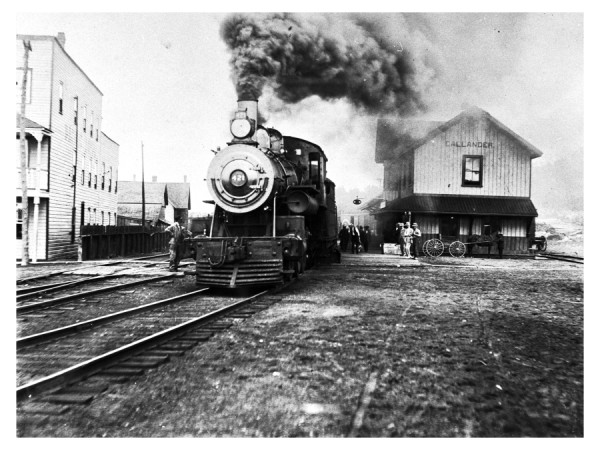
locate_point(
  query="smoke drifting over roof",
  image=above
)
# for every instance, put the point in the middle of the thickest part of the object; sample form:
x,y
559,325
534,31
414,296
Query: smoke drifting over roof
x,y
379,64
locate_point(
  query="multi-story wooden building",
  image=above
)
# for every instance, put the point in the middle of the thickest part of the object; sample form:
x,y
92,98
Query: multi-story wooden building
x,y
71,164
470,175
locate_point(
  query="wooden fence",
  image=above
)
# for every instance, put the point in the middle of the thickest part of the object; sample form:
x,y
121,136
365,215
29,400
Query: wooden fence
x,y
103,242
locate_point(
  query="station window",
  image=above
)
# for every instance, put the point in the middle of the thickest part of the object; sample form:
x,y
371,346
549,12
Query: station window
x,y
472,171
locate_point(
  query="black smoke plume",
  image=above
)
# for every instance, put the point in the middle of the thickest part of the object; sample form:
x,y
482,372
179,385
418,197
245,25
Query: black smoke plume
x,y
372,60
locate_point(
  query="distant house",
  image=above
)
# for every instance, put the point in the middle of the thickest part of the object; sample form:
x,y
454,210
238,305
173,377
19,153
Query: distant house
x,y
163,202
71,163
471,174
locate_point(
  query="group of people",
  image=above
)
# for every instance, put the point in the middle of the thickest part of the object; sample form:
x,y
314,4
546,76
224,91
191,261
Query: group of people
x,y
409,239
358,238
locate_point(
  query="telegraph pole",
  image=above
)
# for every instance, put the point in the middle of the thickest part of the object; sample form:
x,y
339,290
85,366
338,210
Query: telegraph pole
x,y
23,143
143,193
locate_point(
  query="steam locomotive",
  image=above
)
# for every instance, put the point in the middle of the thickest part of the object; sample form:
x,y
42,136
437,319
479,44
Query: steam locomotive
x,y
275,212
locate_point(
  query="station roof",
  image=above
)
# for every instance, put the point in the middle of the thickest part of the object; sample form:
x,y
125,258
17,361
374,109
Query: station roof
x,y
397,136
460,204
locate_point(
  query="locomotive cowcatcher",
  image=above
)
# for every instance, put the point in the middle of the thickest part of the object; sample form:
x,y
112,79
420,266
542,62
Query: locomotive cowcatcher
x,y
275,211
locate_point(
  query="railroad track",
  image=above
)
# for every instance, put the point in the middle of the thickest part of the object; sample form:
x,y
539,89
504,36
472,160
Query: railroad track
x,y
70,273
562,257
36,301
76,363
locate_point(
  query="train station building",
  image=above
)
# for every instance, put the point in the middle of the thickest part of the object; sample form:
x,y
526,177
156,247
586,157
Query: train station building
x,y
468,176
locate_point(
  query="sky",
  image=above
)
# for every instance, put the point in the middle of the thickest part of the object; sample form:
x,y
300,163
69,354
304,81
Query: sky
x,y
167,83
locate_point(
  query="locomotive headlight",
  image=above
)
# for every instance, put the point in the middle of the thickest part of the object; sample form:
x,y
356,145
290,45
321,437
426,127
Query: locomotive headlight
x,y
241,128
238,178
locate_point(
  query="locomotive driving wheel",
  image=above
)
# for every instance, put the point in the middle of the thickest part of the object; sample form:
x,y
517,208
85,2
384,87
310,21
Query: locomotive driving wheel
x,y
434,248
457,249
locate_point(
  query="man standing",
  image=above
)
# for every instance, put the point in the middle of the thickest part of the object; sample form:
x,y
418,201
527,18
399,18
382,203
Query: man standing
x,y
354,239
416,240
408,234
344,237
174,247
400,237
363,237
500,243
367,239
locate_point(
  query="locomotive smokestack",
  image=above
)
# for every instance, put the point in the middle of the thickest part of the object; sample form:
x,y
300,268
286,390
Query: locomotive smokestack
x,y
249,103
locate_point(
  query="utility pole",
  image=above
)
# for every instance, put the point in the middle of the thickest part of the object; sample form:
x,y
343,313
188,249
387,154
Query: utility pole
x,y
143,193
24,150
74,207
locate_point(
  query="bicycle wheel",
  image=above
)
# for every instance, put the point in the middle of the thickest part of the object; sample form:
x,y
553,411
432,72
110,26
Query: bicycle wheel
x,y
457,249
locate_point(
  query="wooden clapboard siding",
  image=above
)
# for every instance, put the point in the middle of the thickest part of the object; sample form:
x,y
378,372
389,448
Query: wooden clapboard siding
x,y
40,64
51,65
391,177
399,177
67,141
506,167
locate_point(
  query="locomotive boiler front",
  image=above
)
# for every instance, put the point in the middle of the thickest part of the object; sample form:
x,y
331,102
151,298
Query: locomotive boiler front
x,y
242,178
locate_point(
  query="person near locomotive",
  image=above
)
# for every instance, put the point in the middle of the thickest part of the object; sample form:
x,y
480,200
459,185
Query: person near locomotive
x,y
399,233
354,238
344,237
416,240
175,247
408,234
363,237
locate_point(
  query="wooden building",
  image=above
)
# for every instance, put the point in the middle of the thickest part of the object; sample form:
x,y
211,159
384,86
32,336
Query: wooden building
x,y
71,164
470,175
163,202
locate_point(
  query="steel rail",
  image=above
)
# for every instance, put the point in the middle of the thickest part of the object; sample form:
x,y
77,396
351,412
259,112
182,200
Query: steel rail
x,y
572,259
56,301
63,272
39,288
109,263
44,290
96,364
80,326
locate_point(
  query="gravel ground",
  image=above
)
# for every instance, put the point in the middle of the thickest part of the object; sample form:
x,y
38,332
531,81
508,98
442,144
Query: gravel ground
x,y
436,348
